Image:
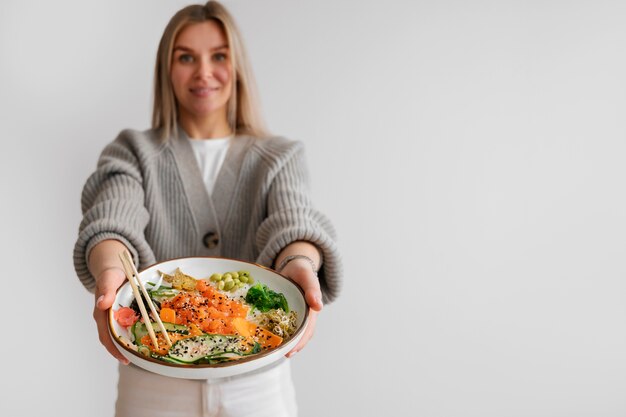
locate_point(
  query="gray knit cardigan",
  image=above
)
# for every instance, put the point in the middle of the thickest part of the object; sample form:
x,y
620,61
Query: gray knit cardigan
x,y
149,194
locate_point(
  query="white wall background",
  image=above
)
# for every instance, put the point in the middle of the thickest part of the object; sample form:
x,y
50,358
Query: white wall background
x,y
471,154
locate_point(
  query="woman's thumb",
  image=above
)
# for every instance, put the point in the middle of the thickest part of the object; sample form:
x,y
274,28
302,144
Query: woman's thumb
x,y
105,295
314,298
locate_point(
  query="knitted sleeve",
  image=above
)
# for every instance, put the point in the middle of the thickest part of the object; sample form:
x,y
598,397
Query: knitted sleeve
x,y
291,217
113,208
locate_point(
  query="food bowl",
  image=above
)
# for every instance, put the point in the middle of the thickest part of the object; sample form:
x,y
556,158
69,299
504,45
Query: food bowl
x,y
203,268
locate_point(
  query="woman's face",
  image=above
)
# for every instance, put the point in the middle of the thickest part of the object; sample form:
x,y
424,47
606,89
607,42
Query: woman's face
x,y
201,71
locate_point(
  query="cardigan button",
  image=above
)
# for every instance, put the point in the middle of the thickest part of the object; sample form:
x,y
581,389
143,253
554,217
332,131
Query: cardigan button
x,y
210,240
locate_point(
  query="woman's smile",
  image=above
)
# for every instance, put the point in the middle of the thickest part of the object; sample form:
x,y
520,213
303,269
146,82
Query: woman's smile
x,y
202,92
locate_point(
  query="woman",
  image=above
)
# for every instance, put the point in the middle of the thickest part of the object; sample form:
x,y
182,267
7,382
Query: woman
x,y
206,180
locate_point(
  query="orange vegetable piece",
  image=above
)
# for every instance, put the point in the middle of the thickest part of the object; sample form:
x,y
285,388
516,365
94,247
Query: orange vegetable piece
x,y
266,338
194,330
243,326
167,314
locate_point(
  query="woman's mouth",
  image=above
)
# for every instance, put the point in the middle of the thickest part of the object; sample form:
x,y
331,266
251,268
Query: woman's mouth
x,y
203,91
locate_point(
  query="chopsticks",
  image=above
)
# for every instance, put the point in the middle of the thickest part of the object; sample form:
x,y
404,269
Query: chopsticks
x,y
135,283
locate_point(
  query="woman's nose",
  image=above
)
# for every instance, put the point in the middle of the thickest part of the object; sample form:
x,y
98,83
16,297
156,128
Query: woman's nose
x,y
205,68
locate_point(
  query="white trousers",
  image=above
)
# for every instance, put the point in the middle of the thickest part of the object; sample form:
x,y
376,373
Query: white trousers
x,y
265,392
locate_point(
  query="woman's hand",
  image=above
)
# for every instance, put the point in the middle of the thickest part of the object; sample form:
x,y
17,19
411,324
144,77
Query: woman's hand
x,y
106,267
107,284
301,272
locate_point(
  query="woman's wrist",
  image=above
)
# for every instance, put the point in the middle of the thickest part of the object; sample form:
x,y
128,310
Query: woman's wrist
x,y
290,258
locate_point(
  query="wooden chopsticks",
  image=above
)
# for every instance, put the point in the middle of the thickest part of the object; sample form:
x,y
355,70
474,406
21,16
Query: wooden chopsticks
x,y
135,283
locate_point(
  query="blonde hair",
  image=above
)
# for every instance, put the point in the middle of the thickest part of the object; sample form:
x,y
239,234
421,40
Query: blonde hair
x,y
244,115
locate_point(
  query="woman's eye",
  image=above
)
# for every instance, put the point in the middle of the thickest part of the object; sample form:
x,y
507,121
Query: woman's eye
x,y
185,58
219,57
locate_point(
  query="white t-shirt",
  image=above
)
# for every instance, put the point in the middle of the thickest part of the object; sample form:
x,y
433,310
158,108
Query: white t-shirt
x,y
210,154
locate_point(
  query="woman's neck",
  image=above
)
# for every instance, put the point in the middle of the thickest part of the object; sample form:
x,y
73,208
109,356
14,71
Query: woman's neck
x,y
214,126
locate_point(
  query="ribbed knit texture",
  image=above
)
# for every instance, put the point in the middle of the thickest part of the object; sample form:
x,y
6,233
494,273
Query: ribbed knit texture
x,y
150,196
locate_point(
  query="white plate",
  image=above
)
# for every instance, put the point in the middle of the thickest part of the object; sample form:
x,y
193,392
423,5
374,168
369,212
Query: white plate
x,y
200,268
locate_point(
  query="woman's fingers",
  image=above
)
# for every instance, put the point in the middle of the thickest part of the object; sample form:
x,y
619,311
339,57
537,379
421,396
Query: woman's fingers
x,y
106,287
312,292
100,317
300,271
313,297
308,334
